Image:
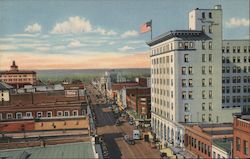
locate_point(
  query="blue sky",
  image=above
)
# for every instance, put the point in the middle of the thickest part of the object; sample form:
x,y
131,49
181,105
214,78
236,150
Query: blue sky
x,y
45,34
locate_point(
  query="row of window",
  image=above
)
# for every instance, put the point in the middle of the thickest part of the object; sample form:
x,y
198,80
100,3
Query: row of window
x,y
168,82
204,15
162,60
15,80
236,89
200,146
164,114
203,70
20,115
160,91
14,76
162,102
187,95
244,149
210,107
160,71
234,59
162,49
236,79
235,49
235,99
235,69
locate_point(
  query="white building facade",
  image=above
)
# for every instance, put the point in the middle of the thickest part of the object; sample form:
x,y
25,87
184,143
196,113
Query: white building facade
x,y
186,76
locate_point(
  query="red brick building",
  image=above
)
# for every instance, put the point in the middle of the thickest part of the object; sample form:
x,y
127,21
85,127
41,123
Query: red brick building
x,y
198,138
139,99
18,78
241,136
116,87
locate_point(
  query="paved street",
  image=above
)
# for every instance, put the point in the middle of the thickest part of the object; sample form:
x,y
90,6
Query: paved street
x,y
113,135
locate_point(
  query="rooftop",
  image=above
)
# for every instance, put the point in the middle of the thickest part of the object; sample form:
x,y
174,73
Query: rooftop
x,y
182,34
18,72
224,144
4,86
71,150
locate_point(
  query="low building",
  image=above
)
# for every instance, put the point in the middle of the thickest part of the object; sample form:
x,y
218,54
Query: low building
x,y
116,87
241,134
18,78
198,138
5,91
138,99
222,148
66,150
74,90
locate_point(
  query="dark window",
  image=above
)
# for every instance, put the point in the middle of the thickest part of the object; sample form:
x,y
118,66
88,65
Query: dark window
x,y
203,14
210,15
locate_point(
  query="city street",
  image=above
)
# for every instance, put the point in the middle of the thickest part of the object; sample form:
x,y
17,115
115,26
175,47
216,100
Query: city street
x,y
113,135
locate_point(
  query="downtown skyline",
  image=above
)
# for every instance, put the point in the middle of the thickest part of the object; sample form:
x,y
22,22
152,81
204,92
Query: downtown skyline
x,y
98,34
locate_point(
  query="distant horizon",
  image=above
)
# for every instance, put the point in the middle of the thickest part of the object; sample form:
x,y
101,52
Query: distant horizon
x,y
81,69
99,34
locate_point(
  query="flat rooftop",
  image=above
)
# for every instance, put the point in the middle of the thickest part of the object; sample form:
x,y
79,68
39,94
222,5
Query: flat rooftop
x,y
72,150
224,144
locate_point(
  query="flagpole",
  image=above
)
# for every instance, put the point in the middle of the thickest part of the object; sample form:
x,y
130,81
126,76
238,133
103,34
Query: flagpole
x,y
151,29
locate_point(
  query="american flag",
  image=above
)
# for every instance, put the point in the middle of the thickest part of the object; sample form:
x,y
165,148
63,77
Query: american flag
x,y
146,27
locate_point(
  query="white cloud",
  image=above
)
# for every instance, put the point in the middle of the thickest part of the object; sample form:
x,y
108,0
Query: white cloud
x,y
236,22
126,48
74,44
105,32
130,33
72,25
78,24
33,28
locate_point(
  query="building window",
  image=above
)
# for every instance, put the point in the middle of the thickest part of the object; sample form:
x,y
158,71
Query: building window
x,y
234,49
29,114
66,113
18,115
210,45
39,114
245,146
185,57
203,82
190,83
245,49
210,70
210,15
49,114
237,144
203,117
210,29
203,95
203,58
180,45
203,70
227,49
183,82
203,28
186,107
75,112
59,113
203,14
191,45
190,70
203,46
190,95
9,115
210,81
209,117
210,94
184,95
186,118
210,106
210,56
238,49
203,107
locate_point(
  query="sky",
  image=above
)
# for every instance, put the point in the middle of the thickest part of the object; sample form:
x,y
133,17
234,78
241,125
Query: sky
x,y
91,34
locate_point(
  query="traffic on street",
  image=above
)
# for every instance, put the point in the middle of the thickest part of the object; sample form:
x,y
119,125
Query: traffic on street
x,y
117,131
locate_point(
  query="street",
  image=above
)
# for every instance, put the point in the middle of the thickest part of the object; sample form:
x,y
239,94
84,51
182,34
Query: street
x,y
113,135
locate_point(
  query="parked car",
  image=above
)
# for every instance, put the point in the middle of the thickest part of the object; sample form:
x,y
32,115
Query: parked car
x,y
129,140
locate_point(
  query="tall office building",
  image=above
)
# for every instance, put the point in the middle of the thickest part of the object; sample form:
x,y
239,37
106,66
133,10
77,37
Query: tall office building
x,y
186,75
